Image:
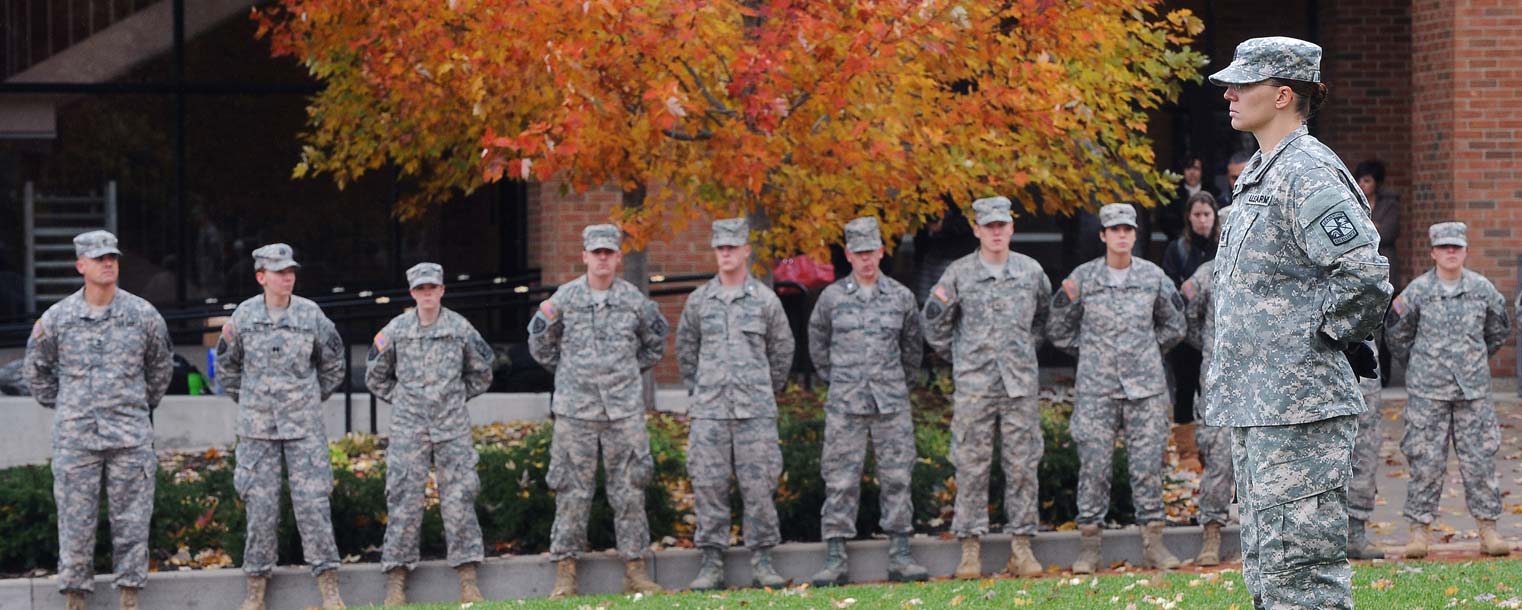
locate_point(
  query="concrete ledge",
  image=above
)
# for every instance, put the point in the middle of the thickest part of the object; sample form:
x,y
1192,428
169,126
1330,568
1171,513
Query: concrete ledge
x,y
525,576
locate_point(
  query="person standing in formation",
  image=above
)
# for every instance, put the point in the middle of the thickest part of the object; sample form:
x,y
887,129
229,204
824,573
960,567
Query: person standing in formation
x,y
598,334
102,360
734,348
427,363
865,341
987,315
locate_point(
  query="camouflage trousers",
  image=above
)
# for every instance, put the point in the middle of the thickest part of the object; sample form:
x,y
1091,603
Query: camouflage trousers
x,y
257,480
1292,487
1094,426
748,450
840,465
974,422
1218,485
454,461
1471,427
1361,487
626,460
130,476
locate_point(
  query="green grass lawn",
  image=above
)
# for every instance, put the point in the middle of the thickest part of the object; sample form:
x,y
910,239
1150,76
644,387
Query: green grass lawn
x,y
1392,586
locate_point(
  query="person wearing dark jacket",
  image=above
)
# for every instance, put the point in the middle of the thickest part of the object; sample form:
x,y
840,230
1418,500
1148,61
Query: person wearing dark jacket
x,y
1385,212
1171,218
1183,257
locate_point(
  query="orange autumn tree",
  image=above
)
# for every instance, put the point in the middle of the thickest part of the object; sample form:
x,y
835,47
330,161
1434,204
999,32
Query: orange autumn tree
x,y
810,112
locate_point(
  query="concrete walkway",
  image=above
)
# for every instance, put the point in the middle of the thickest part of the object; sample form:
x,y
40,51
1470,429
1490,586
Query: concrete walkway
x,y
1454,528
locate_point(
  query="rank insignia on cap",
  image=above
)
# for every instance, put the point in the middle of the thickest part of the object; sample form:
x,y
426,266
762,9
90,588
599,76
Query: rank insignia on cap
x,y
940,293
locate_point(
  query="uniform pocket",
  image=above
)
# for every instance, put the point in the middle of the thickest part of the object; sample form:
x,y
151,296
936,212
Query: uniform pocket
x,y
1302,512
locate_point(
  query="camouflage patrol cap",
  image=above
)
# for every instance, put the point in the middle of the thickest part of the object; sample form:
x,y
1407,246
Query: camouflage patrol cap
x,y
601,237
94,244
425,273
863,235
992,209
731,232
1449,234
1113,214
1259,59
274,257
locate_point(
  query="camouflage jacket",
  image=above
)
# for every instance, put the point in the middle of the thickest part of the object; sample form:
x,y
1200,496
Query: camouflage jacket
x,y
1298,276
1119,333
1448,338
279,373
734,354
428,372
102,374
989,328
597,353
867,348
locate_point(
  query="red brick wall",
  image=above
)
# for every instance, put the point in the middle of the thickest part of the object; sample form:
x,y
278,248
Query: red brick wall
x,y
1467,133
555,224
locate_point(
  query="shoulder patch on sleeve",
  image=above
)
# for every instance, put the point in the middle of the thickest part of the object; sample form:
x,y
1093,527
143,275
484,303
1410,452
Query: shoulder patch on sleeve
x,y
940,293
1070,288
229,330
538,324
1398,306
38,330
548,309
380,342
1188,290
1339,228
933,309
659,325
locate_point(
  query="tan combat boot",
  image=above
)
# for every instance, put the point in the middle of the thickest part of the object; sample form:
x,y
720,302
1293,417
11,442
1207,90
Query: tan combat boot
x,y
254,600
1022,562
971,565
1210,547
636,580
1491,542
469,592
396,587
126,598
1090,550
1154,553
327,587
1420,540
565,578
74,600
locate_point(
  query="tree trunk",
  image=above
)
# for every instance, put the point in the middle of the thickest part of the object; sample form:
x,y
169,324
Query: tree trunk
x,y
637,272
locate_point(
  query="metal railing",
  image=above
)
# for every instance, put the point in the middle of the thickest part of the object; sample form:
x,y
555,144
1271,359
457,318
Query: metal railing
x,y
35,30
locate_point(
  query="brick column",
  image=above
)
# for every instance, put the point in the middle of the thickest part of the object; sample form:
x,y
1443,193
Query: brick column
x,y
1467,136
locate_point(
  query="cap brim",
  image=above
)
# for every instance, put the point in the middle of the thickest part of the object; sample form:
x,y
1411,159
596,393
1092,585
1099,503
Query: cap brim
x,y
1449,241
864,247
1236,74
600,245
995,217
1120,223
280,266
726,242
424,281
99,252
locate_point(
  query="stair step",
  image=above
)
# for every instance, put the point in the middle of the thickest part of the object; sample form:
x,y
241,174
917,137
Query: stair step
x,y
69,232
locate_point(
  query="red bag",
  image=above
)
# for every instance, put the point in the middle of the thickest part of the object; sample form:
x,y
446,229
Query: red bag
x,y
804,271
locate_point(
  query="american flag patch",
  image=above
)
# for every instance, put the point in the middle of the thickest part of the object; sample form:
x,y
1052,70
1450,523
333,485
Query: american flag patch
x,y
548,308
940,293
380,342
1399,306
1188,290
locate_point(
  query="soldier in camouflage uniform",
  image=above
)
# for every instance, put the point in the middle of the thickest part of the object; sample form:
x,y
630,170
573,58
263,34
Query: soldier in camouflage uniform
x,y
987,315
1216,483
598,334
102,359
1362,484
279,358
427,362
865,341
1119,315
1299,287
734,348
1448,322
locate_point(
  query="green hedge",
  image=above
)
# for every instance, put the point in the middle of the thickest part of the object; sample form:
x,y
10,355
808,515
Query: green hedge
x,y
198,519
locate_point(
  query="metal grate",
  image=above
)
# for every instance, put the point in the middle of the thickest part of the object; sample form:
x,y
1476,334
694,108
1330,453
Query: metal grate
x,y
34,30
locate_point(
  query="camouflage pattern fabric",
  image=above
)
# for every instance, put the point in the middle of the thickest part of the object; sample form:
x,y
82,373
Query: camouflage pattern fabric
x,y
845,452
989,327
427,373
1362,486
1298,276
280,372
129,473
867,347
597,352
1471,427
748,449
1095,423
1259,59
1017,422
1119,333
734,351
1292,482
100,373
1446,338
407,461
1217,482
257,480
629,466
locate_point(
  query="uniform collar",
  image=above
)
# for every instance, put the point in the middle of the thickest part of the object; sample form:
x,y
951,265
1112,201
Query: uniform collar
x,y
981,271
1260,163
747,288
853,287
79,308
